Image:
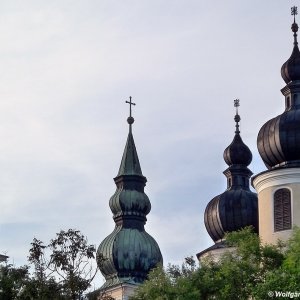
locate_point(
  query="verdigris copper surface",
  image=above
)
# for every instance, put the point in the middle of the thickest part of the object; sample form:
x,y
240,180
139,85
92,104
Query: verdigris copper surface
x,y
129,252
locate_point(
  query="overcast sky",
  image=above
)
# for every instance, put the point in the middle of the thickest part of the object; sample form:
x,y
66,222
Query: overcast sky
x,y
66,70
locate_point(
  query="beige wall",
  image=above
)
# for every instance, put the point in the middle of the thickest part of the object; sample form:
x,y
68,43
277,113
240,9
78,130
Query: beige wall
x,y
214,254
121,292
266,185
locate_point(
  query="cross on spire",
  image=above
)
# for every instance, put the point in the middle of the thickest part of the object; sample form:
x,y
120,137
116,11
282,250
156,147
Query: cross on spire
x,y
237,118
294,11
130,104
236,104
130,119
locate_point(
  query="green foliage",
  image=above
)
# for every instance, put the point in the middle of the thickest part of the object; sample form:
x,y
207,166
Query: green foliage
x,y
17,283
49,289
12,281
172,283
248,271
292,260
67,258
62,270
285,274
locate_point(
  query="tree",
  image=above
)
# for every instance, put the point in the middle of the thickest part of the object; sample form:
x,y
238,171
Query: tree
x,y
43,284
287,276
171,283
67,260
251,271
12,281
50,289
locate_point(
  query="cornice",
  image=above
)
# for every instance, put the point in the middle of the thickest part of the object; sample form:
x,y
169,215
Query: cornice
x,y
276,177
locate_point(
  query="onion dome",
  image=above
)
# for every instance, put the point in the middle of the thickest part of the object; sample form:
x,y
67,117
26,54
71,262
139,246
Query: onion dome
x,y
290,70
278,140
129,252
237,153
237,206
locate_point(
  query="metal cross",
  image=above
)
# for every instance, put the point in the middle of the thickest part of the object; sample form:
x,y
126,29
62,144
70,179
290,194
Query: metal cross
x,y
237,118
294,11
236,104
130,103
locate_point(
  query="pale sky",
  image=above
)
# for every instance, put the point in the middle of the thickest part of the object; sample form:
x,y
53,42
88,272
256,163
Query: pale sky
x,y
66,70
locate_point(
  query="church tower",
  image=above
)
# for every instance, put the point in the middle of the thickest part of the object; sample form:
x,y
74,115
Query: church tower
x,y
237,206
129,252
278,144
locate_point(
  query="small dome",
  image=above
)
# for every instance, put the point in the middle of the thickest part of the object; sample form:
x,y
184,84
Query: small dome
x,y
237,152
290,70
231,211
128,201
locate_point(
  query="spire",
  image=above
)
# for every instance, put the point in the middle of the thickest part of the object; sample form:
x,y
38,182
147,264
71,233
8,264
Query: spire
x,y
278,140
130,164
290,70
129,252
237,153
237,206
294,12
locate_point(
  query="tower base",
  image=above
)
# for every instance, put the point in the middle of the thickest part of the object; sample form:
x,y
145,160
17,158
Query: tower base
x,y
118,292
214,252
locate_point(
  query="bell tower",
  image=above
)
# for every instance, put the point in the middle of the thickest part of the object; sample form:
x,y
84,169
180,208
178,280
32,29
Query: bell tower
x,y
278,144
237,206
129,252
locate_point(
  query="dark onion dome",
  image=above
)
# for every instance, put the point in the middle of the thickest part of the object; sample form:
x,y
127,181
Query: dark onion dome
x,y
129,252
232,210
237,206
237,153
278,140
290,70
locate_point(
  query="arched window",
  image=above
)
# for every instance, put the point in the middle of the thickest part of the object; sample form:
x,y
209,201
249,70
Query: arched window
x,y
282,210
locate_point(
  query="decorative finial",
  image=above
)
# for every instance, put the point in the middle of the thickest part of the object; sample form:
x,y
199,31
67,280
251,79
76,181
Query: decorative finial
x,y
294,12
130,119
237,118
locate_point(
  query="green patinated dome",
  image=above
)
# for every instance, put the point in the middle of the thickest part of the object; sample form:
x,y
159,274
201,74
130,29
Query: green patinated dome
x,y
129,202
130,255
129,252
